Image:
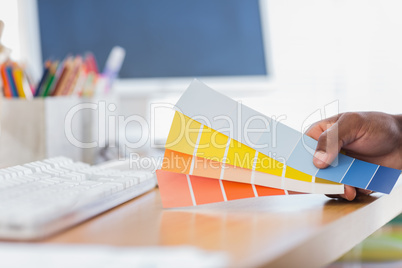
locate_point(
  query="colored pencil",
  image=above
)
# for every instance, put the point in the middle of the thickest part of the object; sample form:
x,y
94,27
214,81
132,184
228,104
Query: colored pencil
x,y
27,87
18,75
43,79
77,63
61,84
13,87
6,85
52,73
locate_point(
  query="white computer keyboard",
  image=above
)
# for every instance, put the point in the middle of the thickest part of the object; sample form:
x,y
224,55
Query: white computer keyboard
x,y
41,198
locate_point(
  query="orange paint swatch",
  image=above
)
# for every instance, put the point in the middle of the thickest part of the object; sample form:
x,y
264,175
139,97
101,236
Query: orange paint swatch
x,y
236,190
182,190
174,189
206,190
267,191
176,162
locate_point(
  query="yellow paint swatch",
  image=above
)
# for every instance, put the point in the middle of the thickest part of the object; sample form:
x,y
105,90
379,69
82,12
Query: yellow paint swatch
x,y
268,165
295,174
212,144
183,134
319,180
240,155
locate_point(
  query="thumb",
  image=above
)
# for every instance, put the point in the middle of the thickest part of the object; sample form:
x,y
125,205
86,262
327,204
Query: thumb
x,y
342,133
328,147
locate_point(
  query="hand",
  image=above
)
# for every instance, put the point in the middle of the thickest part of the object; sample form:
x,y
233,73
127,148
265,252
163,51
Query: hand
x,y
369,136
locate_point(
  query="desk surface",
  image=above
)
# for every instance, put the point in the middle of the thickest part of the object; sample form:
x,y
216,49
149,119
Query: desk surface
x,y
278,231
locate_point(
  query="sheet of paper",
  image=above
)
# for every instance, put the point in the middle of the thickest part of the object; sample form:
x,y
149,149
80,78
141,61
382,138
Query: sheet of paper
x,y
183,190
276,140
95,256
188,164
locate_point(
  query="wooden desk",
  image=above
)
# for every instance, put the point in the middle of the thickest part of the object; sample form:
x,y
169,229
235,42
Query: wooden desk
x,y
279,231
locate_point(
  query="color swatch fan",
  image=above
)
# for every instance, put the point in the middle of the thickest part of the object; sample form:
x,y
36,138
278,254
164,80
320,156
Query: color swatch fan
x,y
220,150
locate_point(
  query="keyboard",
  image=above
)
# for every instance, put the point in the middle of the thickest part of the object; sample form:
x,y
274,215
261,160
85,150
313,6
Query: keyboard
x,y
41,198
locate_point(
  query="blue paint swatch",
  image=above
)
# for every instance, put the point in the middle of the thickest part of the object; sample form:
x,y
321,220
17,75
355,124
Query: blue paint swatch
x,y
337,171
302,156
359,174
384,180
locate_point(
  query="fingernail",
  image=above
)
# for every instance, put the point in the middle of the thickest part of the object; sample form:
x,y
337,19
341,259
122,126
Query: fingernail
x,y
365,191
368,192
321,157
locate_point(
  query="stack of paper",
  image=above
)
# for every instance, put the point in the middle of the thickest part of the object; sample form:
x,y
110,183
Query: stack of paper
x,y
220,150
85,256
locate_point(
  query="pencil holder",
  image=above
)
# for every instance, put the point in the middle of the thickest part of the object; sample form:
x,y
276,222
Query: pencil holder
x,y
78,128
31,130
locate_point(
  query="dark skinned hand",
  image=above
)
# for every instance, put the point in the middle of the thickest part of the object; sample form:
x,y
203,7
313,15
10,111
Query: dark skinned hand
x,y
369,136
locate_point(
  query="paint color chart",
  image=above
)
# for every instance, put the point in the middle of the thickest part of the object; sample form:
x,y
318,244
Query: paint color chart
x,y
214,155
220,150
275,139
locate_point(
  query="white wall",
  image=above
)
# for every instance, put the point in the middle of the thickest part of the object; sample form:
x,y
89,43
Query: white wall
x,y
10,37
21,33
327,50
